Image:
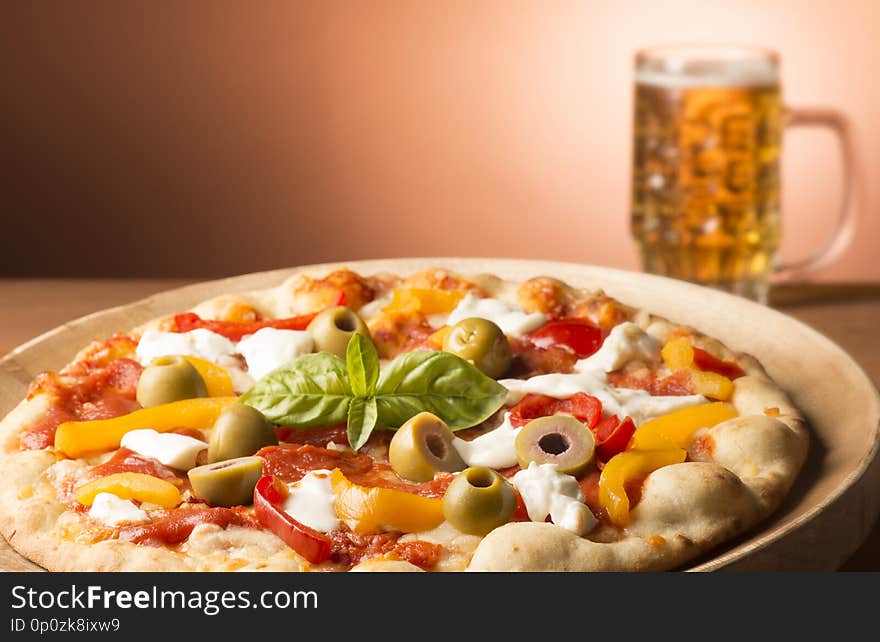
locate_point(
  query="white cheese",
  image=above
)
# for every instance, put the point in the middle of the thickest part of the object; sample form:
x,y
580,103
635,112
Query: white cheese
x,y
545,491
311,502
495,449
638,404
510,317
626,342
200,343
270,348
176,451
113,511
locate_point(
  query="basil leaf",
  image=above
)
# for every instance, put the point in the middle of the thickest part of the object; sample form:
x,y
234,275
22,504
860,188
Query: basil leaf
x,y
363,365
362,417
437,382
310,391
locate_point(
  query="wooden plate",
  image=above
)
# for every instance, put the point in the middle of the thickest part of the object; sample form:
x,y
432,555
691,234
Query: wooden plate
x,y
832,506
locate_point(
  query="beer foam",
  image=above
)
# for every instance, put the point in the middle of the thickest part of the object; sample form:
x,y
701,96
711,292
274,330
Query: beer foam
x,y
682,73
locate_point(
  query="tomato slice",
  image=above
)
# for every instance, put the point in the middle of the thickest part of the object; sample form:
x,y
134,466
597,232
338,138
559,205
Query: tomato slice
x,y
307,542
613,435
706,361
581,336
580,405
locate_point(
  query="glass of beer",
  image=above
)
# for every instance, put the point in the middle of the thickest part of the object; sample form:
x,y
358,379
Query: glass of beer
x,y
708,128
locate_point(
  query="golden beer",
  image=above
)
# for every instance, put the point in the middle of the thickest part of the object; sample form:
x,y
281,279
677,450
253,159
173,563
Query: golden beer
x,y
705,181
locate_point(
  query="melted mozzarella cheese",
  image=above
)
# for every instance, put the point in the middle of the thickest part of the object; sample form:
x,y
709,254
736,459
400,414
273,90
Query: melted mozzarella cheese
x,y
495,449
270,348
638,404
545,491
176,451
113,511
511,318
311,502
626,342
200,343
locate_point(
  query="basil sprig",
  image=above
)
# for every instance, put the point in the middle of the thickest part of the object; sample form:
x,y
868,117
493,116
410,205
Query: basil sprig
x,y
321,389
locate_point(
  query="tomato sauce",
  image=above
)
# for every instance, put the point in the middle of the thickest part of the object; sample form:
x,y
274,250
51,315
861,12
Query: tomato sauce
x,y
676,384
128,461
351,548
175,525
90,391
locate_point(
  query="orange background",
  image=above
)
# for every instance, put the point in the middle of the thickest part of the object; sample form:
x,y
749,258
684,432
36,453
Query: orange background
x,y
213,138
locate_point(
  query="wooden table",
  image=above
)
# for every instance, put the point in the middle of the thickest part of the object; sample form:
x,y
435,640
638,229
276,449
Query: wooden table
x,y
847,314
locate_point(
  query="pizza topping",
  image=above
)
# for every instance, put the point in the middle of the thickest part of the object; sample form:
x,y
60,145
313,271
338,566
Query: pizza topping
x,y
171,449
239,431
676,430
579,336
626,468
580,405
113,511
710,376
228,483
76,438
138,486
270,348
168,379
495,449
481,343
269,495
321,389
332,330
371,509
561,440
127,461
429,302
175,526
612,436
478,500
423,447
511,318
311,502
218,379
625,343
548,492
201,342
188,323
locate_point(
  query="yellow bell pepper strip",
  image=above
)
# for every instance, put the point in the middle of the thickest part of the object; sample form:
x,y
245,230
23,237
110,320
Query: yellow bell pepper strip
x,y
424,301
627,467
76,438
712,385
139,486
367,510
711,377
217,379
676,430
678,354
437,339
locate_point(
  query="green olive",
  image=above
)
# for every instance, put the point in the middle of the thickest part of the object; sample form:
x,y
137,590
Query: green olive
x,y
228,483
423,446
332,329
240,430
168,379
560,440
478,500
482,343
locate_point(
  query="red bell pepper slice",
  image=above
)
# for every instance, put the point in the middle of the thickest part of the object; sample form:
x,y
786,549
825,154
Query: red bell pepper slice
x,y
582,406
706,361
579,335
613,435
307,542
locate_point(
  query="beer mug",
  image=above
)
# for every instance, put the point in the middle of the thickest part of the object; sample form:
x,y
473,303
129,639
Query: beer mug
x,y
708,126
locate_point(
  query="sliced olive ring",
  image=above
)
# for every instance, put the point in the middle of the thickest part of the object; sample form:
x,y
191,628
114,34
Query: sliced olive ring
x,y
422,447
560,440
482,343
332,329
228,483
167,379
239,431
478,500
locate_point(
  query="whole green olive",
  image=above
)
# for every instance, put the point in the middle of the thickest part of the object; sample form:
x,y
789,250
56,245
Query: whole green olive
x,y
228,483
560,440
482,343
240,430
478,500
332,329
423,446
168,379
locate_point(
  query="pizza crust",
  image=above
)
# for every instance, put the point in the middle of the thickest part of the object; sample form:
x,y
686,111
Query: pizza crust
x,y
685,509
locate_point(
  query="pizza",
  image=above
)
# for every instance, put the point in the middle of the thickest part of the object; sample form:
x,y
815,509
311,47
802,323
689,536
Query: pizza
x,y
429,421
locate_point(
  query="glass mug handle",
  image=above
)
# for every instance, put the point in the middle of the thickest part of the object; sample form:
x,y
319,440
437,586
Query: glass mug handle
x,y
846,220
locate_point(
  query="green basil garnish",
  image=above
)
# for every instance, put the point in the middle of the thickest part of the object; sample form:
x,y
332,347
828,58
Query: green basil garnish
x,y
321,390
